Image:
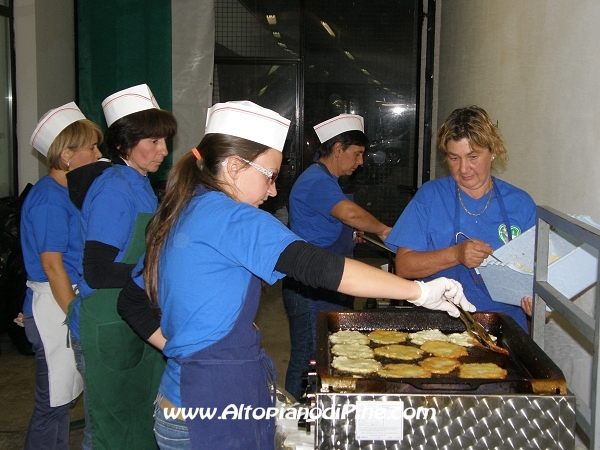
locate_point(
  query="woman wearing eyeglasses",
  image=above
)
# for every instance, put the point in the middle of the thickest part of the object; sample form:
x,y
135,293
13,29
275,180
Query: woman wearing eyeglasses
x,y
207,250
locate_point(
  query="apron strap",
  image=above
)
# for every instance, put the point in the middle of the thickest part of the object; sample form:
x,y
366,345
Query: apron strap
x,y
475,276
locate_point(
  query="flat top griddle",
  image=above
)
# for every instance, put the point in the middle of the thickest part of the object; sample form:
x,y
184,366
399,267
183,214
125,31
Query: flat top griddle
x,y
530,370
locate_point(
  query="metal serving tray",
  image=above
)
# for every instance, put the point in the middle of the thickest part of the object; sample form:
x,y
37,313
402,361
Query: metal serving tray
x,y
530,370
530,409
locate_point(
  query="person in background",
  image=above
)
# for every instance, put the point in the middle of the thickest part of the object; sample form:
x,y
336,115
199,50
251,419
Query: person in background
x,y
320,213
207,248
121,371
52,244
453,223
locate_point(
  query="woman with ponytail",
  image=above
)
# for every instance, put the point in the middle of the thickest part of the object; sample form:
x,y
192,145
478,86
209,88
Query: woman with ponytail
x,y
207,250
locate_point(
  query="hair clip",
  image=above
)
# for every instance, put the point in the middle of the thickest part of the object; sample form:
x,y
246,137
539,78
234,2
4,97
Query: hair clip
x,y
196,153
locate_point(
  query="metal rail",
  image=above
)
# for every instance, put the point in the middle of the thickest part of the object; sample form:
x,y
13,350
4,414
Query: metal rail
x,y
587,416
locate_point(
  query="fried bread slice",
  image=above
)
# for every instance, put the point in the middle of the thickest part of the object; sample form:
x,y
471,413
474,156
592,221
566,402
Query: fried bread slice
x,y
439,364
398,351
348,337
355,366
482,370
442,348
420,337
464,339
387,336
403,371
354,351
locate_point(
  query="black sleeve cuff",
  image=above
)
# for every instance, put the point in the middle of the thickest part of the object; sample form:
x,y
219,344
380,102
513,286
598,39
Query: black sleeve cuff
x,y
135,308
100,269
311,265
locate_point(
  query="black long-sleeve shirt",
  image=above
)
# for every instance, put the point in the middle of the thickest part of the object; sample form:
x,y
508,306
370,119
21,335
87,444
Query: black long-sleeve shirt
x,y
307,263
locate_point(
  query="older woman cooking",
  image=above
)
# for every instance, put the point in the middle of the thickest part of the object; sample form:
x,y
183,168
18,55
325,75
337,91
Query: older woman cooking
x,y
430,237
325,216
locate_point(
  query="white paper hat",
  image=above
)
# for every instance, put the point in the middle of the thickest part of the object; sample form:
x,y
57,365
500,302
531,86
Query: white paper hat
x,y
336,125
128,101
52,123
247,120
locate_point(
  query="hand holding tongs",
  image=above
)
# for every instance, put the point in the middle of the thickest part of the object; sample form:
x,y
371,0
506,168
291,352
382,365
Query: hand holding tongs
x,y
460,233
377,243
476,330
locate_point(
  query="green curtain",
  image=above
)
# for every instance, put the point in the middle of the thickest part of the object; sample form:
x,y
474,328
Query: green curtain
x,y
122,43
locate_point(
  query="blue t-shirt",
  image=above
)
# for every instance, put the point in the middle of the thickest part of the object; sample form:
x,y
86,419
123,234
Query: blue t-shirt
x,y
49,223
428,223
205,268
138,272
109,213
312,198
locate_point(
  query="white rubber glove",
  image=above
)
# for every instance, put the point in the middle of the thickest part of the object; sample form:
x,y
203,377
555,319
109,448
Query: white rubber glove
x,y
443,294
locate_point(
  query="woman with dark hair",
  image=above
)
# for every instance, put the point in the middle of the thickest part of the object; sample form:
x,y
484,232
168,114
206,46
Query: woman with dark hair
x,y
323,215
429,237
207,248
52,244
120,370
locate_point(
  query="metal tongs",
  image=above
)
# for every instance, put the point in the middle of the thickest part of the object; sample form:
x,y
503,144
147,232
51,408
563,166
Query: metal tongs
x,y
377,243
476,330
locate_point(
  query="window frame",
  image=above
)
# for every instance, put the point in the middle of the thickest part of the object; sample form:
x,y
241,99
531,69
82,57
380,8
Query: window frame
x,y
7,11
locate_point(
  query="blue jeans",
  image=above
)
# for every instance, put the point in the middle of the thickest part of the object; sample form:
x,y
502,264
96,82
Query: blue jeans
x,y
170,434
80,363
302,346
48,426
302,315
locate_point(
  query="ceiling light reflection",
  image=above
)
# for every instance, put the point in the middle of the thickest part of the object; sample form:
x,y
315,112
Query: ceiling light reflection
x,y
328,28
271,19
397,108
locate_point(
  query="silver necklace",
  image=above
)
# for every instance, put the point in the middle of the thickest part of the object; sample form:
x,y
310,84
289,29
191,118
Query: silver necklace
x,y
484,208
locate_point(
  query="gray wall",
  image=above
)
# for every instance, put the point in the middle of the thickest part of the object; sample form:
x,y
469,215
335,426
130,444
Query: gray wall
x,y
45,72
535,67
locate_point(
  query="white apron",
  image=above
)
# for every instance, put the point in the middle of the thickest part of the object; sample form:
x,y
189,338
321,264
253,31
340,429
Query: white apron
x,y
63,377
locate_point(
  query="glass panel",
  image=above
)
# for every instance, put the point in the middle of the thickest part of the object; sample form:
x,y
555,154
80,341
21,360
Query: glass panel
x,y
6,138
243,29
364,60
270,86
358,58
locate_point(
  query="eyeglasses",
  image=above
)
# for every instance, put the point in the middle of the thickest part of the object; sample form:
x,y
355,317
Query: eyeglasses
x,y
271,175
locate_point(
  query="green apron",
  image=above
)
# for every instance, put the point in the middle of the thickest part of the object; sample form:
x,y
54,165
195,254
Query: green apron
x,y
122,371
